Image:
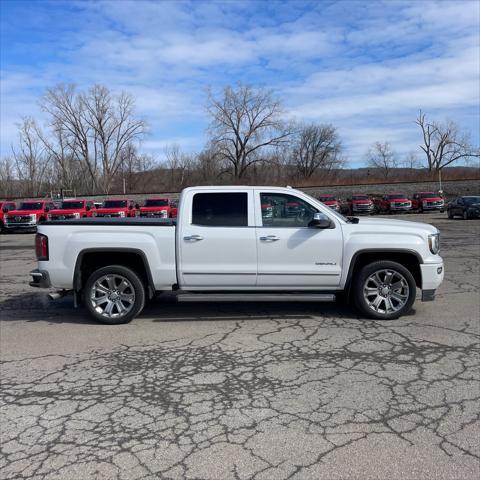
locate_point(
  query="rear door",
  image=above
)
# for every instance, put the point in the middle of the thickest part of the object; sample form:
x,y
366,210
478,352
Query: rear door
x,y
216,243
291,254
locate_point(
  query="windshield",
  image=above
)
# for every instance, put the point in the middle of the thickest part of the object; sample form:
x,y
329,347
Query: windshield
x,y
71,205
114,204
396,195
428,195
471,200
31,206
326,199
360,197
158,202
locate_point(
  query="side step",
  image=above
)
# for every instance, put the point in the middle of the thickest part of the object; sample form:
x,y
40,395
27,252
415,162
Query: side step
x,y
256,297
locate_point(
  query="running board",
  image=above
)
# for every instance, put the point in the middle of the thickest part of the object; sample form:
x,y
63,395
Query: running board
x,y
256,297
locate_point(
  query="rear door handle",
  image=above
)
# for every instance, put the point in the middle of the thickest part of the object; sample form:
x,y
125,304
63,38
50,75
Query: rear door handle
x,y
269,238
193,238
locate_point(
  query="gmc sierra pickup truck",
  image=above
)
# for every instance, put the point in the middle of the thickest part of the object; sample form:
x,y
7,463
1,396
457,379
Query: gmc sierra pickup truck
x,y
226,245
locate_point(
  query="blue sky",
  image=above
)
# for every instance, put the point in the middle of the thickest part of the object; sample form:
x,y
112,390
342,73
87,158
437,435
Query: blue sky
x,y
365,66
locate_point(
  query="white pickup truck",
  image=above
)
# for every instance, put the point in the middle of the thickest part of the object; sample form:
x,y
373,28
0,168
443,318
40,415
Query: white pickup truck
x,y
240,244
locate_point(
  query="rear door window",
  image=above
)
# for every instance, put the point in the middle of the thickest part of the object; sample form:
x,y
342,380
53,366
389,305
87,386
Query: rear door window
x,y
223,209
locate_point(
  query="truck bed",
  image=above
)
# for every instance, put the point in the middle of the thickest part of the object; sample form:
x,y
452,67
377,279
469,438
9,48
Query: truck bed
x,y
117,221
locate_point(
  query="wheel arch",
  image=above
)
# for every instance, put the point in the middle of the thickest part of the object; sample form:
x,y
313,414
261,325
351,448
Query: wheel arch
x,y
91,259
410,259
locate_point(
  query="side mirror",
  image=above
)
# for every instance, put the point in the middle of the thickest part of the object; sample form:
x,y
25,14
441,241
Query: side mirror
x,y
320,221
88,208
137,205
130,207
5,210
47,209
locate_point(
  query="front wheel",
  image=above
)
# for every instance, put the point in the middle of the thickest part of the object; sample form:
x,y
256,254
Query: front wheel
x,y
465,215
450,214
114,295
384,290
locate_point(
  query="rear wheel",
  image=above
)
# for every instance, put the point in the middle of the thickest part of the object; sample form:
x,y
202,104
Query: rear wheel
x,y
114,295
384,290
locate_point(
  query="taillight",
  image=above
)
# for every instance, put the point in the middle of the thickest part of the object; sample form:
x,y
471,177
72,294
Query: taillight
x,y
41,246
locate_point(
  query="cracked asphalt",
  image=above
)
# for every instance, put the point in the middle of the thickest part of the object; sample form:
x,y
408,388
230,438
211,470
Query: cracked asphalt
x,y
247,391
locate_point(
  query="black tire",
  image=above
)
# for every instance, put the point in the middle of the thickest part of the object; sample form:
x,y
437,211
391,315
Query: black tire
x,y
450,214
135,286
360,282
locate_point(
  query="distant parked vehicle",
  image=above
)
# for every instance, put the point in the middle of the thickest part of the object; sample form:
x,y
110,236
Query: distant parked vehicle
x,y
116,208
156,208
330,201
393,202
427,201
28,215
5,207
360,203
174,208
466,207
71,209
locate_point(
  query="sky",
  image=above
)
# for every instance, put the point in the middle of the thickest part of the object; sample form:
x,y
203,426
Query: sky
x,y
367,67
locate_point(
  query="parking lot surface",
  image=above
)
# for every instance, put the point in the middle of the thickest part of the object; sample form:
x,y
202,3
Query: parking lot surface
x,y
247,391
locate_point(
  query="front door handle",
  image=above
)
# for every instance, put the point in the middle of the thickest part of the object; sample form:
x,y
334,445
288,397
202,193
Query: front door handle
x,y
193,238
269,238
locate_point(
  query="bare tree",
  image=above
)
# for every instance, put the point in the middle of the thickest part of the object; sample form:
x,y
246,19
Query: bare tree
x,y
30,158
94,128
180,165
245,123
411,161
444,144
133,168
7,178
382,157
315,147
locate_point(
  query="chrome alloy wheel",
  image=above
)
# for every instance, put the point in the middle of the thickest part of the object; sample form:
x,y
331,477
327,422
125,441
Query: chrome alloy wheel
x,y
386,291
112,296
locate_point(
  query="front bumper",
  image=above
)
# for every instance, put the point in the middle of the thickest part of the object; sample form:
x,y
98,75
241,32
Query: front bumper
x,y
40,279
400,208
432,277
441,208
17,225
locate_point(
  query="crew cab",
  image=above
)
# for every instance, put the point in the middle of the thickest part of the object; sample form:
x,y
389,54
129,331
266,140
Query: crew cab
x,y
330,201
72,209
393,202
28,215
427,201
225,246
360,203
116,208
156,207
5,207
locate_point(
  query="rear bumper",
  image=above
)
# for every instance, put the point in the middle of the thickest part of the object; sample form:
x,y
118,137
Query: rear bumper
x,y
40,279
432,277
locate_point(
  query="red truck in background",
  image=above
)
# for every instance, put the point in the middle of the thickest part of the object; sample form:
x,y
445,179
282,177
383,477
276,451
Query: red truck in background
x,y
157,208
393,202
174,208
427,201
28,215
116,208
5,207
330,201
71,209
360,203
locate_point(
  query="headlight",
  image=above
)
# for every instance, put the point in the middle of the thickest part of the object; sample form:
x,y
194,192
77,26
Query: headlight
x,y
434,243
33,216
76,215
49,217
94,214
164,213
137,213
424,202
121,214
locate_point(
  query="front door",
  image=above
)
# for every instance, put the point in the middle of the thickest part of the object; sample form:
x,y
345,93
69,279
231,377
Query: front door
x,y
290,254
217,245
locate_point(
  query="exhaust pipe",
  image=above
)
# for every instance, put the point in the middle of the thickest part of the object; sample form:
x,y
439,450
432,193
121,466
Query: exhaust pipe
x,y
59,294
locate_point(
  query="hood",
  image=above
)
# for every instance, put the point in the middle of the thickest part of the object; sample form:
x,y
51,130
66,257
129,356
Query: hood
x,y
431,199
24,212
378,223
399,199
330,202
154,209
67,211
111,210
362,202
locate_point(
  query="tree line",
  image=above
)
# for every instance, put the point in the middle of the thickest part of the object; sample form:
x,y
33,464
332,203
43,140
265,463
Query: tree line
x,y
91,143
